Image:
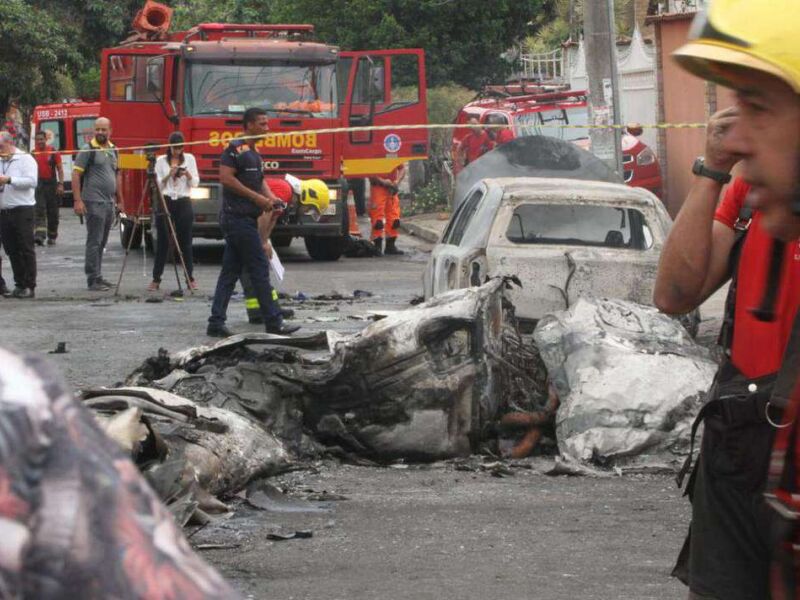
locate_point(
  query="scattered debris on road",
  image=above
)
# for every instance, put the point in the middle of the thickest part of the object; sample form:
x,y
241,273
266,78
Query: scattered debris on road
x,y
449,378
282,536
423,384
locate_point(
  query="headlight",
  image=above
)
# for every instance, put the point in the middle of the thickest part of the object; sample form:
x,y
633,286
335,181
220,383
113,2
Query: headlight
x,y
333,194
645,157
200,193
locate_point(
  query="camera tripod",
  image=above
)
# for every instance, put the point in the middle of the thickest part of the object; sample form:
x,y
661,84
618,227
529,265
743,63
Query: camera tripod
x,y
151,190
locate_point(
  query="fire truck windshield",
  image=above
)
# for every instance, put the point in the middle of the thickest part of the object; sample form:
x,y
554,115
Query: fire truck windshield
x,y
278,87
549,123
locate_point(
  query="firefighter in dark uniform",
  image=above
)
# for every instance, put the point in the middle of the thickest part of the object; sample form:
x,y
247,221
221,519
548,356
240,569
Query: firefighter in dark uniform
x,y
245,197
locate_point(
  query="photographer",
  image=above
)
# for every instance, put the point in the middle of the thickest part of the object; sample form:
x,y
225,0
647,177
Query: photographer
x,y
176,173
384,210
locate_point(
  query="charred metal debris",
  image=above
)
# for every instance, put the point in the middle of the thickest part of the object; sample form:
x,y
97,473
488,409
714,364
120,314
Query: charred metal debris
x,y
445,380
448,378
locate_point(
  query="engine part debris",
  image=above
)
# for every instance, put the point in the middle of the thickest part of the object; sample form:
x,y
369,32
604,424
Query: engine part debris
x,y
630,381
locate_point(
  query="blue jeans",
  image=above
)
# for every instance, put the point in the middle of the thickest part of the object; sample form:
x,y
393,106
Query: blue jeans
x,y
243,249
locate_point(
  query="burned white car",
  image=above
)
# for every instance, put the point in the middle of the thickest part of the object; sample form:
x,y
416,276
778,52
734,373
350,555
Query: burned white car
x,y
563,238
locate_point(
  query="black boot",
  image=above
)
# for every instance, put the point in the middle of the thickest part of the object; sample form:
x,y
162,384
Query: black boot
x,y
378,242
391,247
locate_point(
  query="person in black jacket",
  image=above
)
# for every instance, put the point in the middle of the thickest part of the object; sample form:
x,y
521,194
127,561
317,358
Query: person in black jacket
x,y
245,197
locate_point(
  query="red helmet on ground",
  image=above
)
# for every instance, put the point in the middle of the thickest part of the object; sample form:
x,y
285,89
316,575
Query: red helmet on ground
x,y
282,190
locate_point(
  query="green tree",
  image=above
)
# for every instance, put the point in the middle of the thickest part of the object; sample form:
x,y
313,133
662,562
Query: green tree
x,y
34,46
464,41
189,13
553,29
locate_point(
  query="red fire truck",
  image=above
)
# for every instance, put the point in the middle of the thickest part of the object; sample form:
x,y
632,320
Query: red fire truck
x,y
200,82
68,126
543,110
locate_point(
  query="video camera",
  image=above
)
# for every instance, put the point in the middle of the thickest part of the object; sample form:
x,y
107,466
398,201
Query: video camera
x,y
150,156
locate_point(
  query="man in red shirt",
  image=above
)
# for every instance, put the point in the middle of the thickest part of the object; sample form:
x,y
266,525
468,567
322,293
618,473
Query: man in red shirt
x,y
753,239
501,134
49,190
475,144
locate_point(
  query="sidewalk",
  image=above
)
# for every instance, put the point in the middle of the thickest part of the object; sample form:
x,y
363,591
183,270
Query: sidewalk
x,y
428,226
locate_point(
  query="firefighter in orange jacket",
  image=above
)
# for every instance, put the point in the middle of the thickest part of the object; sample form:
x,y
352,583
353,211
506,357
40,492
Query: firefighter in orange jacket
x,y
384,210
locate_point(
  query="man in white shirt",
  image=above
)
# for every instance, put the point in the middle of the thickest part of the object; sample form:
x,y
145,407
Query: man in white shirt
x,y
18,178
176,173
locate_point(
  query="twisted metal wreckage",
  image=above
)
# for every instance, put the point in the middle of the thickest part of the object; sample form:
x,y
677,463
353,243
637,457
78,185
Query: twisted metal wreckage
x,y
448,378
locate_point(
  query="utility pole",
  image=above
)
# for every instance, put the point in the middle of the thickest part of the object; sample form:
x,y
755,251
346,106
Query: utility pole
x,y
601,66
572,33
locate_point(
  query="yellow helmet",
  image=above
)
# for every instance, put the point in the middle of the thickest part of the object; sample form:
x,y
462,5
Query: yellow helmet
x,y
750,34
315,194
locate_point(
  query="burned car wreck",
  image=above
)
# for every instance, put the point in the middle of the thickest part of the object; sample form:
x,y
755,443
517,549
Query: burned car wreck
x,y
449,378
422,384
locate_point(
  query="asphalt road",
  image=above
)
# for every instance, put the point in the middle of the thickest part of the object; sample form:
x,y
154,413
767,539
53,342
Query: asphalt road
x,y
108,336
416,532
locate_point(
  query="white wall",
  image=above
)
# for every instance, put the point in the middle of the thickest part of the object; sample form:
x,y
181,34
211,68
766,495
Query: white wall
x,y
637,73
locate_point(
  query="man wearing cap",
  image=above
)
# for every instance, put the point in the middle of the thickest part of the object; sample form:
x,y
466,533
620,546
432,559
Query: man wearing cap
x,y
751,237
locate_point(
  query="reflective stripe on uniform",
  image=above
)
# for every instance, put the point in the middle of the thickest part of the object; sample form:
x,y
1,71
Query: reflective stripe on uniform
x,y
253,302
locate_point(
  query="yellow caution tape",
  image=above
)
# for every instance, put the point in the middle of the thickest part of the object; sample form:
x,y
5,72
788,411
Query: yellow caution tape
x,y
394,128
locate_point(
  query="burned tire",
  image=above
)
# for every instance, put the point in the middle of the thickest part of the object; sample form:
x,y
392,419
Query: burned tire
x,y
324,248
126,231
281,241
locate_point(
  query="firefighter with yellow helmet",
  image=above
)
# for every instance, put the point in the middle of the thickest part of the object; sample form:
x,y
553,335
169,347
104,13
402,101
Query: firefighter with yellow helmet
x,y
752,238
301,198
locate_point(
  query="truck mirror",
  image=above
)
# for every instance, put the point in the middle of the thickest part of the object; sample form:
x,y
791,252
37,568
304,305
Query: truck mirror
x,y
376,89
155,77
173,113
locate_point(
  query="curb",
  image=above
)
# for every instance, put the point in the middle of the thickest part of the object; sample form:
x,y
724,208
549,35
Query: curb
x,y
429,235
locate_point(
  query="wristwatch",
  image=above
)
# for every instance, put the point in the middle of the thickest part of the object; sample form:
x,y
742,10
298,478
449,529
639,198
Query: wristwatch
x,y
699,168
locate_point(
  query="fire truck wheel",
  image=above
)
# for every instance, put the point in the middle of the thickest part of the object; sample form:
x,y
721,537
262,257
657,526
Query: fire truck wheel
x,y
324,248
125,233
281,241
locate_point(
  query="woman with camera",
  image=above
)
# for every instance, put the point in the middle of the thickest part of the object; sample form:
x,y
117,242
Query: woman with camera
x,y
176,173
